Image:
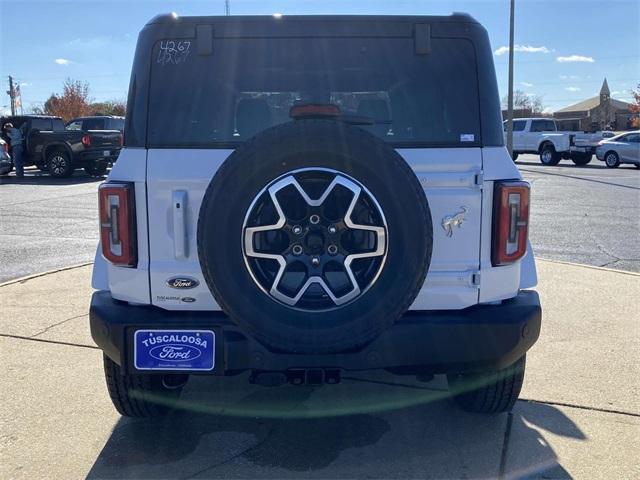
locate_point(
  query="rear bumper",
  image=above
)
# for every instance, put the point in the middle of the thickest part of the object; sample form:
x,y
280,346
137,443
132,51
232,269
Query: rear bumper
x,y
583,149
98,154
479,337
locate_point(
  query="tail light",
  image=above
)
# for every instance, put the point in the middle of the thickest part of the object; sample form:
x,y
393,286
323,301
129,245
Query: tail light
x,y
86,140
118,224
510,222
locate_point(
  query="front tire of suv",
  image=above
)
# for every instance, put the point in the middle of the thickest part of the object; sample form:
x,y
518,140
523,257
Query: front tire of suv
x,y
490,391
612,160
59,163
549,156
142,395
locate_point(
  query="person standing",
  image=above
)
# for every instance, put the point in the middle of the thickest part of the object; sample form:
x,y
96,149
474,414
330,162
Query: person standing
x,y
17,149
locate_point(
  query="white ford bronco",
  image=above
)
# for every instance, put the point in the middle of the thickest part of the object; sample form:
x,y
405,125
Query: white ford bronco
x,y
300,197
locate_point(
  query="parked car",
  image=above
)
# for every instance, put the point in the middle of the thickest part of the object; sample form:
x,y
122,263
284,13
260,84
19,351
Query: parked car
x,y
105,122
541,136
623,148
52,148
285,190
6,165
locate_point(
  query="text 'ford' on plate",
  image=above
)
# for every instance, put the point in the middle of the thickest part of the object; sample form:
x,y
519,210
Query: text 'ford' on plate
x,y
182,282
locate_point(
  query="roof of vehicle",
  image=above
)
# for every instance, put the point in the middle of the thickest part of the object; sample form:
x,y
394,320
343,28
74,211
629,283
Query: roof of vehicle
x,y
205,31
614,138
174,18
31,116
532,118
95,116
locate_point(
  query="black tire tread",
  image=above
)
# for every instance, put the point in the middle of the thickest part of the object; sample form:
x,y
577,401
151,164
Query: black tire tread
x,y
581,159
498,394
97,169
556,156
121,386
71,169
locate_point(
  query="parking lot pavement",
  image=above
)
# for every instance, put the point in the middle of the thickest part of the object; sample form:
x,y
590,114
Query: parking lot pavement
x,y
579,214
584,214
46,223
578,417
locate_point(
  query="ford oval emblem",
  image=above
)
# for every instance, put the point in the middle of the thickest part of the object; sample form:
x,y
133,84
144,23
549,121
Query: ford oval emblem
x,y
183,282
175,352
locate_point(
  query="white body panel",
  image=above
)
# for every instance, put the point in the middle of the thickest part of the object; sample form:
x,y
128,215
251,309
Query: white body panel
x,y
132,284
171,173
454,179
448,175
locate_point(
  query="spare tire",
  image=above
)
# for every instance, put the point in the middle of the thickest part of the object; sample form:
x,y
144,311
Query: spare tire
x,y
314,236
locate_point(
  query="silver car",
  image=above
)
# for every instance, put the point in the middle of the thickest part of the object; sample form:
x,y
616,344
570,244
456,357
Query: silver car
x,y
6,165
623,148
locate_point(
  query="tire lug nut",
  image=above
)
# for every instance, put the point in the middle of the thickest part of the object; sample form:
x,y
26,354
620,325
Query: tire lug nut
x,y
297,229
297,250
315,261
332,229
332,249
314,219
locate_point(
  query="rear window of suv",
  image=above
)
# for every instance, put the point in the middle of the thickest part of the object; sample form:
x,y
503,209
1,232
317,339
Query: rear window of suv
x,y
250,84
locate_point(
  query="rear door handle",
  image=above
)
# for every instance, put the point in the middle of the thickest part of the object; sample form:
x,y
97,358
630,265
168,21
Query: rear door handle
x,y
179,207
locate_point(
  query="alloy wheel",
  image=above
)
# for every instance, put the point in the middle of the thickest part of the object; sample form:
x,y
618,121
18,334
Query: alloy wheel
x,y
314,239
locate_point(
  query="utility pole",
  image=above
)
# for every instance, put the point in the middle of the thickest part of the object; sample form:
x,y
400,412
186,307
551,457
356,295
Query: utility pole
x,y
11,96
227,8
510,94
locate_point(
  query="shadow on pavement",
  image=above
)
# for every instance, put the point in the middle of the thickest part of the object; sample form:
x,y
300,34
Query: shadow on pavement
x,y
318,432
593,165
78,177
593,180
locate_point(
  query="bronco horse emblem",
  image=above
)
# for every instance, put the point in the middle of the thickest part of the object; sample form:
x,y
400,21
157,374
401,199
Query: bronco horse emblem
x,y
451,221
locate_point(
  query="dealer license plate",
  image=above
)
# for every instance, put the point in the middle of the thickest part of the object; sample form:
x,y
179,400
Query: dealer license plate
x,y
174,350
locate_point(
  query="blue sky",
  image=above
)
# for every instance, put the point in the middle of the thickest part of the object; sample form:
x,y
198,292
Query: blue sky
x,y
564,47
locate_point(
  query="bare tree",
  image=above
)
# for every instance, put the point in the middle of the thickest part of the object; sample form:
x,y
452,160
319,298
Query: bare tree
x,y
525,104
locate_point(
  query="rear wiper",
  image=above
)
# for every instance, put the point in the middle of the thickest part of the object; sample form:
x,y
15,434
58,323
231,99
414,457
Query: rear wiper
x,y
333,112
361,120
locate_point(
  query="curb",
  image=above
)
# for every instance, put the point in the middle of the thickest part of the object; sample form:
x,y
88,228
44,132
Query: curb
x,y
43,274
604,269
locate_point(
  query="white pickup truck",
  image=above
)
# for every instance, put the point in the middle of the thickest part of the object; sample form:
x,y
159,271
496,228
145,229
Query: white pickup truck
x,y
541,136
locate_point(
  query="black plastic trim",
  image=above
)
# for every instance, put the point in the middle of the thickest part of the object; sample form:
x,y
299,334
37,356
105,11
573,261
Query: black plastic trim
x,y
476,338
